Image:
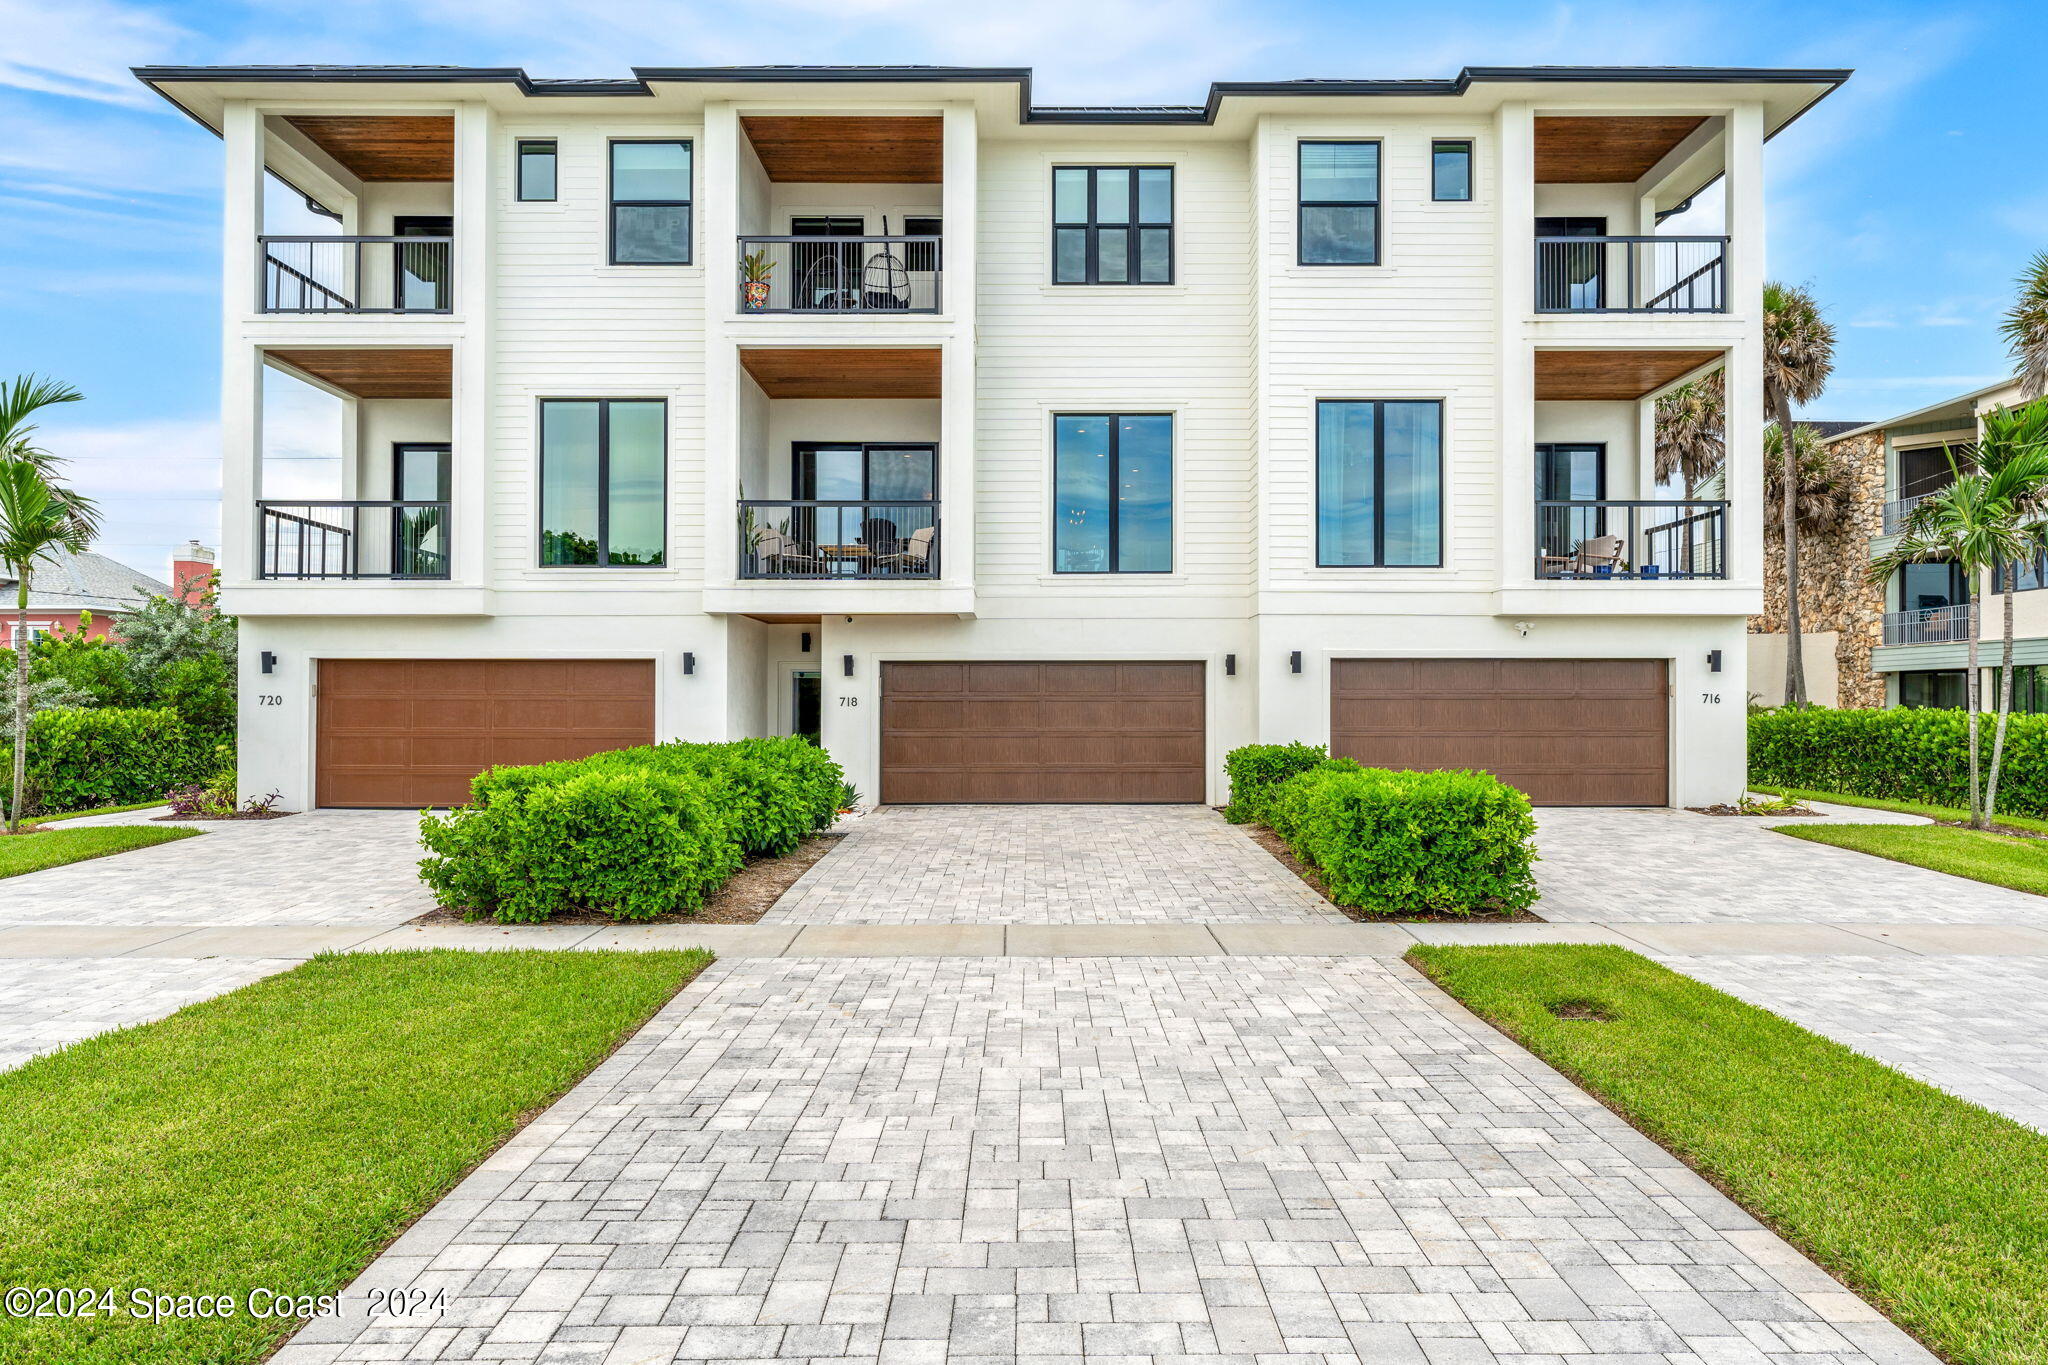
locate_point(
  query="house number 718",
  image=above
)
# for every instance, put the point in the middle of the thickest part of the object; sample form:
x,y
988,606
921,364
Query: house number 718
x,y
849,701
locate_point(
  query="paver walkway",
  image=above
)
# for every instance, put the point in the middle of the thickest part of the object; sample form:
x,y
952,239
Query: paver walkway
x,y
49,1003
1048,865
1204,1161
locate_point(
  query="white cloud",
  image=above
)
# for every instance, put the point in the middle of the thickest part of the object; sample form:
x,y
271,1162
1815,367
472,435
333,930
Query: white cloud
x,y
157,483
81,48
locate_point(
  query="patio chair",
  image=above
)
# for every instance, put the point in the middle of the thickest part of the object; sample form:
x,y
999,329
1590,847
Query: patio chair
x,y
916,555
1596,553
878,534
885,281
777,553
824,286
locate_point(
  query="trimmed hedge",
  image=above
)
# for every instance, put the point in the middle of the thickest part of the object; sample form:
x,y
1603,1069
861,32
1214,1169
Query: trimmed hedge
x,y
1905,754
1256,769
632,833
80,759
1409,843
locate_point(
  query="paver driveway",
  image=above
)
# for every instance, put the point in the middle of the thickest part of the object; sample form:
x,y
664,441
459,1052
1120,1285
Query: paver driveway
x,y
1206,1161
47,1003
1048,865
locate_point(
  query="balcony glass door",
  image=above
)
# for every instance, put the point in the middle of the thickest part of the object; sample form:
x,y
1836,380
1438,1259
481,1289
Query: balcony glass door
x,y
827,274
887,494
421,278
1570,473
1568,275
419,534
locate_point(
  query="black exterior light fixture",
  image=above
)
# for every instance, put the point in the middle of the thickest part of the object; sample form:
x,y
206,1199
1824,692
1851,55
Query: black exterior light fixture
x,y
689,663
806,643
269,662
1713,661
1294,662
846,663
1230,665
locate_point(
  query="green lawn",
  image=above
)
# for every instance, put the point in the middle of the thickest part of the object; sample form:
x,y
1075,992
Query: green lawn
x,y
1903,807
2000,859
279,1136
35,850
1933,1209
97,810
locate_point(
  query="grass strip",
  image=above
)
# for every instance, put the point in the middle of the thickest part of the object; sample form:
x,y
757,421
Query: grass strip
x,y
96,810
34,850
2000,859
1933,1209
1902,807
281,1135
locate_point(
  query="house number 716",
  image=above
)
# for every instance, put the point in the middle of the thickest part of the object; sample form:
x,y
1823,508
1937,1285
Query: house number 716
x,y
1711,698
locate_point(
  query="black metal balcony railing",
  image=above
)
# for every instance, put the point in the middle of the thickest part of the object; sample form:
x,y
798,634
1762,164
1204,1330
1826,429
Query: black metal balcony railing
x,y
355,274
811,539
1612,538
839,275
1931,625
352,540
1631,275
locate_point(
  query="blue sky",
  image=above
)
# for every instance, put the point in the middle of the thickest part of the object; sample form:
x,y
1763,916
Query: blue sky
x,y
1908,201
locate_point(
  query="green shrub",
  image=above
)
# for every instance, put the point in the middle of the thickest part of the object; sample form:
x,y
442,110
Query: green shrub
x,y
80,759
1904,754
1256,769
1404,843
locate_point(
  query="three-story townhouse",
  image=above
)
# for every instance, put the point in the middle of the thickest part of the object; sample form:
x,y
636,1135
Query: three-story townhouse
x,y
1022,453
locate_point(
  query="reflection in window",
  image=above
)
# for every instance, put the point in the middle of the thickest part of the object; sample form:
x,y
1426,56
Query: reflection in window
x,y
650,191
1450,170
1340,203
1112,225
536,171
603,469
1113,493
1379,483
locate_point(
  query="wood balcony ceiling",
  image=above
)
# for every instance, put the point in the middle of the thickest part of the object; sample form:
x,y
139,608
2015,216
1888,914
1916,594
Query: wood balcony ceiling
x,y
849,151
1598,150
1610,376
377,372
392,147
844,373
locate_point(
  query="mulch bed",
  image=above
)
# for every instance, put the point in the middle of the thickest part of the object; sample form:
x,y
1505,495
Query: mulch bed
x,y
1272,843
745,897
238,815
1725,809
2009,830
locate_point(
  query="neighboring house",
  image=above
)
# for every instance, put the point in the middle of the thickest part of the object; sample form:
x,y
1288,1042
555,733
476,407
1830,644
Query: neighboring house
x,y
1024,453
1840,609
63,590
1930,610
192,572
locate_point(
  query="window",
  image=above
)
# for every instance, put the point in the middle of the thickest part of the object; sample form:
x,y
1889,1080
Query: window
x,y
1932,586
650,188
1945,688
2029,689
1574,472
861,472
1112,493
1379,484
1929,469
1112,225
537,171
922,256
1450,171
1339,222
603,482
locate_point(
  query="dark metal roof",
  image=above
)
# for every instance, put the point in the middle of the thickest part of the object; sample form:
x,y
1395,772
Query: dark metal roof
x,y
1830,428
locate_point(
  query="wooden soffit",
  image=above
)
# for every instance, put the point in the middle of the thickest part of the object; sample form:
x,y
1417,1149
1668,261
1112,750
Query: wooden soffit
x,y
849,151
378,372
844,373
1596,376
1605,151
390,147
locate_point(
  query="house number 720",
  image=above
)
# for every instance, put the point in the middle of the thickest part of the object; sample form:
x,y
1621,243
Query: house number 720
x,y
269,699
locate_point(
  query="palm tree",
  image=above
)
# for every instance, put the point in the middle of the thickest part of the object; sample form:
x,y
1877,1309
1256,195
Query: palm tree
x,y
1819,501
1799,354
20,399
2026,328
1689,421
2012,450
37,522
1983,521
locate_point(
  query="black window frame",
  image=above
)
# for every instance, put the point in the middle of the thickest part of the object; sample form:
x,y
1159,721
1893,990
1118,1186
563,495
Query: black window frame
x,y
1133,228
1379,217
803,461
1116,515
519,151
1379,484
1436,144
613,203
604,479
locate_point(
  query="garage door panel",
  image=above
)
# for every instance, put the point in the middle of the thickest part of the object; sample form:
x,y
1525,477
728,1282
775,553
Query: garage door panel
x,y
982,679
942,679
1008,713
1085,715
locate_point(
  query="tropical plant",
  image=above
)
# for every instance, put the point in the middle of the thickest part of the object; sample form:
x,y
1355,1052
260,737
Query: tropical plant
x,y
756,268
1799,354
1689,440
37,523
2026,327
1985,520
1821,500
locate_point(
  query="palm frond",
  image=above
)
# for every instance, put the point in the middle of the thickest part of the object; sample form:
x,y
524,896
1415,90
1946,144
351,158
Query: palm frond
x,y
22,398
2025,328
1799,344
1689,430
1822,498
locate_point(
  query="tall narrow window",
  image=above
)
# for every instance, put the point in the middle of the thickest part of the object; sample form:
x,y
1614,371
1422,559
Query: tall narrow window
x,y
603,482
1339,220
1379,483
650,191
1450,170
1112,225
1113,493
536,170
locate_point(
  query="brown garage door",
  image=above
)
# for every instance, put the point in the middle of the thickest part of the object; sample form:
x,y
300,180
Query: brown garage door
x,y
1569,732
412,732
1032,732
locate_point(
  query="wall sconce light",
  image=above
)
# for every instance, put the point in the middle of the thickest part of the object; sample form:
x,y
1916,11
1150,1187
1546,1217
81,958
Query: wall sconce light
x,y
1230,665
269,662
1713,661
1294,662
806,643
846,663
689,663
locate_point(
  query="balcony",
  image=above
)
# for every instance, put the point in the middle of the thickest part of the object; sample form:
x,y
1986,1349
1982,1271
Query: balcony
x,y
1631,274
809,539
1644,541
839,274
1931,625
411,274
1898,512
349,540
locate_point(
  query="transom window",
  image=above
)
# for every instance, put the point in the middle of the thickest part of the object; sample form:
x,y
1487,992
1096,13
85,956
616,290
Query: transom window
x,y
1112,225
1379,483
650,197
1450,170
536,170
1113,493
1339,218
603,482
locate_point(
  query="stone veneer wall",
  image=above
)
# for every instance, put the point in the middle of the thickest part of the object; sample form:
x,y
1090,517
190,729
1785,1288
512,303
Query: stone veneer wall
x,y
1834,592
